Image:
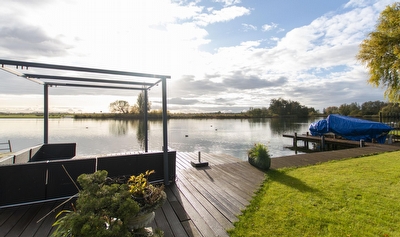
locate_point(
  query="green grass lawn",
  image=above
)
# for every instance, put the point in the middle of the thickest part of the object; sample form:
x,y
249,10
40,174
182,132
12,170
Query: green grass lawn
x,y
354,197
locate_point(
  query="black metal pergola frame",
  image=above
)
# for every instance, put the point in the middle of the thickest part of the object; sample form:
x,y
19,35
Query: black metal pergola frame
x,y
121,80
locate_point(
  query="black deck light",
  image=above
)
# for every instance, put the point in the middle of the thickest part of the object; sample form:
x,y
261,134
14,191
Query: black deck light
x,y
199,163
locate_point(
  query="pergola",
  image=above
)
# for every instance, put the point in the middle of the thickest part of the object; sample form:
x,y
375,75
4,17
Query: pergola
x,y
72,76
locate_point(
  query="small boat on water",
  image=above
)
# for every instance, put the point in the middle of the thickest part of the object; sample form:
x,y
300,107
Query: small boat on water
x,y
351,128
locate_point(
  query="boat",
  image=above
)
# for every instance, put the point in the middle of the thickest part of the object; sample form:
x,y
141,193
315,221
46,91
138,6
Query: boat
x,y
351,128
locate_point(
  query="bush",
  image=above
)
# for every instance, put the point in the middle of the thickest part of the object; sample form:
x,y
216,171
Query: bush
x,y
259,156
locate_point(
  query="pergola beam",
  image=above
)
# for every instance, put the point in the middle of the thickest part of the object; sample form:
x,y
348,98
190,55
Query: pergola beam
x,y
79,69
91,80
96,83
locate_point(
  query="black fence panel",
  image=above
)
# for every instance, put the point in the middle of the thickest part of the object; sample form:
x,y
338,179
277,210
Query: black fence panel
x,y
59,184
21,183
41,181
55,152
138,163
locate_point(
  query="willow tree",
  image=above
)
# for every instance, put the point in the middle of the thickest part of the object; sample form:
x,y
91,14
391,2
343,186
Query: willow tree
x,y
380,52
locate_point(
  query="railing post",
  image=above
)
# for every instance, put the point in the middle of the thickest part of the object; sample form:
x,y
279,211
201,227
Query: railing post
x,y
46,114
146,143
9,145
165,130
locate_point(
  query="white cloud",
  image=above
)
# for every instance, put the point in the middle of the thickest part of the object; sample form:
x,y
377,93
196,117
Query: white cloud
x,y
229,2
223,15
164,37
268,27
247,27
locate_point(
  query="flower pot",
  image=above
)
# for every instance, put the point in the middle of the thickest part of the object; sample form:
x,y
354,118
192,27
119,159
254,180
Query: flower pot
x,y
140,221
265,165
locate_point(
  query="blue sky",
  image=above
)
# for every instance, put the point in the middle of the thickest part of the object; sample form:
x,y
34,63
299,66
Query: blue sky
x,y
222,55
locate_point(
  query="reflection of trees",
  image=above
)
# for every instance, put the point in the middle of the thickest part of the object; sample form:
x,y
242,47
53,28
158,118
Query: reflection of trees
x,y
118,127
257,122
141,132
280,126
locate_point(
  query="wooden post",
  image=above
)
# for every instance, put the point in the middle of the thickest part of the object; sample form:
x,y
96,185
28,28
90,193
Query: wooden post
x,y
9,145
295,140
322,143
306,142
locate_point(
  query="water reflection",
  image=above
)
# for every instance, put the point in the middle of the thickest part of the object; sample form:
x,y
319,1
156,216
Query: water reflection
x,y
118,127
227,136
141,133
283,126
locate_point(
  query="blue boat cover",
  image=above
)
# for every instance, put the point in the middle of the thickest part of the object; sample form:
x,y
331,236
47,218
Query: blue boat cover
x,y
351,128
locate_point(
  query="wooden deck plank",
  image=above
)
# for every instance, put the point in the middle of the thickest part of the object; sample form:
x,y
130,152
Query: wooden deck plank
x,y
10,220
34,226
198,221
161,222
217,222
219,194
23,222
216,199
46,228
173,221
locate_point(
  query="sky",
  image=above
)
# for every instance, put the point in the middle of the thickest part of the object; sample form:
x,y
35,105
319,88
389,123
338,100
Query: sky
x,y
222,55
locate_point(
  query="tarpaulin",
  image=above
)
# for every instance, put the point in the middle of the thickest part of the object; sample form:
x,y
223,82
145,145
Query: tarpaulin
x,y
351,128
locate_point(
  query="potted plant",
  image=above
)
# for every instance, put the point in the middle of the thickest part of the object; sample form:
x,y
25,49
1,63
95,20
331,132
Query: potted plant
x,y
111,207
148,197
259,156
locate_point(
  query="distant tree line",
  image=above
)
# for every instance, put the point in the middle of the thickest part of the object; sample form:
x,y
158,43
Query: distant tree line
x,y
369,108
282,108
277,108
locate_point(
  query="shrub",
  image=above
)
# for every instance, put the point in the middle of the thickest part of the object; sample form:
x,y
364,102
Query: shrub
x,y
259,156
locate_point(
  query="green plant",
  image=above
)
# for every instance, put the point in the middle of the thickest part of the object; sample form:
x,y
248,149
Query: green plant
x,y
147,195
105,207
259,156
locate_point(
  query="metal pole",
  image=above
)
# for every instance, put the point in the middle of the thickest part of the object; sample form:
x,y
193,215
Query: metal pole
x,y
146,145
165,130
46,114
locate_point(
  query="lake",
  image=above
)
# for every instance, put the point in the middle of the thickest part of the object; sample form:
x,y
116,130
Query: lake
x,y
95,137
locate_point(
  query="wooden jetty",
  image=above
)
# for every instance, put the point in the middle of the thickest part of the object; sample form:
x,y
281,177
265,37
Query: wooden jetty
x,y
324,142
202,202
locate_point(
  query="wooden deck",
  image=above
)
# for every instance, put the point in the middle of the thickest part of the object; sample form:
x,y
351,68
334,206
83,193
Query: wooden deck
x,y
319,157
202,202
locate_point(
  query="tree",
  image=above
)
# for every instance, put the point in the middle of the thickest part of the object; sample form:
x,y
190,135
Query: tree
x,y
141,103
331,110
380,52
119,106
352,109
372,107
284,107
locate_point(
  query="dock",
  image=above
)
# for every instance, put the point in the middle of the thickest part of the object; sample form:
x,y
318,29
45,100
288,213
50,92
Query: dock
x,y
324,142
202,202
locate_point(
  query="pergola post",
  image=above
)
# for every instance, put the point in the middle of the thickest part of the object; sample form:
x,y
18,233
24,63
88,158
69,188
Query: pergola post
x,y
46,114
146,145
165,130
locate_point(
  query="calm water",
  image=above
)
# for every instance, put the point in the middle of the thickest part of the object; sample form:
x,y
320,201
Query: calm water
x,y
93,137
